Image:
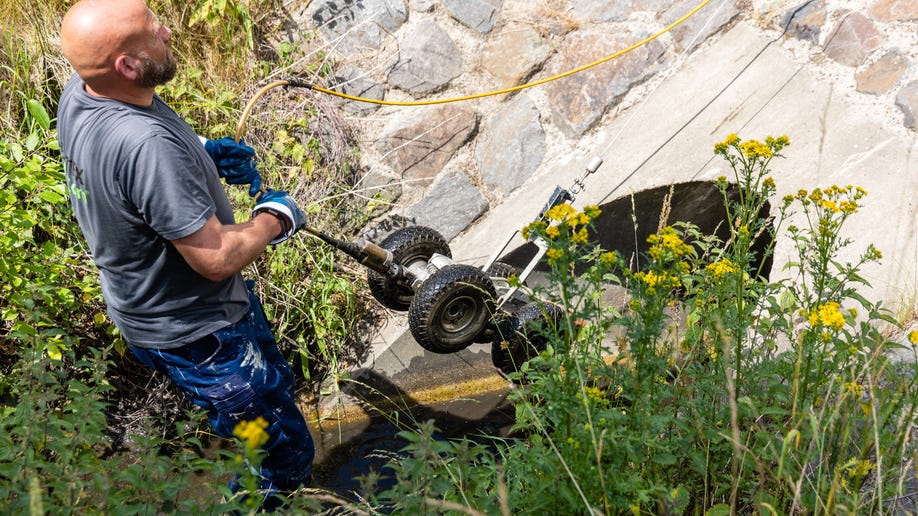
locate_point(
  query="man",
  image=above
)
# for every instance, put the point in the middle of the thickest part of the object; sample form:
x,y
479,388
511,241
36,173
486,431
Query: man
x,y
148,198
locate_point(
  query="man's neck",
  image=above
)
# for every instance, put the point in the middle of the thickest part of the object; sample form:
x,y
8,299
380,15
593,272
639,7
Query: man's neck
x,y
138,97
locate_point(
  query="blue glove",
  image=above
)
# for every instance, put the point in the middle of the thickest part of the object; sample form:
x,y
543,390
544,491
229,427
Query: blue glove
x,y
235,163
282,206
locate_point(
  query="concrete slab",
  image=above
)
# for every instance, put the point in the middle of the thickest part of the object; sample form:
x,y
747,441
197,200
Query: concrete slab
x,y
744,83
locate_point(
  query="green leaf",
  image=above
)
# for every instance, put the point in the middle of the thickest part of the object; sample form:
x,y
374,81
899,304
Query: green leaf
x,y
664,459
52,197
720,509
54,351
24,329
32,141
16,151
39,114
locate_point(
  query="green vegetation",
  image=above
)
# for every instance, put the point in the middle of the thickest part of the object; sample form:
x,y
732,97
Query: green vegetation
x,y
61,360
727,392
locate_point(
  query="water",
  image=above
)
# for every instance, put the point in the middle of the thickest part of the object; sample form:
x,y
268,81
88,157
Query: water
x,y
345,452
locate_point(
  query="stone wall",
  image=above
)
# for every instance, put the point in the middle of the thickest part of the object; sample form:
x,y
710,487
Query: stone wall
x,y
446,165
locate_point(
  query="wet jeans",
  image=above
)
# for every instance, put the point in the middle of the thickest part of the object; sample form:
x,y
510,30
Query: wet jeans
x,y
237,374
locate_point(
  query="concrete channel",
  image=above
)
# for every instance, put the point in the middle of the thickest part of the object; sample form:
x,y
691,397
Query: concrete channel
x,y
741,83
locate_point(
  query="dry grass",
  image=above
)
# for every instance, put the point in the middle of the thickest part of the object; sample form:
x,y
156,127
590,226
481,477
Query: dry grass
x,y
31,63
555,17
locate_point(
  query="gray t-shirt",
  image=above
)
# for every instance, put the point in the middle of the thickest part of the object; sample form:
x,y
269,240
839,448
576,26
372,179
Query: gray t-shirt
x,y
138,178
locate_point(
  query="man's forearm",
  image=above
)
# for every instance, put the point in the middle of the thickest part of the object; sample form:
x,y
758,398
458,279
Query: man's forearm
x,y
218,251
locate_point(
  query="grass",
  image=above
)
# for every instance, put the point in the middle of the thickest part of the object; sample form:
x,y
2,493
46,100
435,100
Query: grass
x,y
776,397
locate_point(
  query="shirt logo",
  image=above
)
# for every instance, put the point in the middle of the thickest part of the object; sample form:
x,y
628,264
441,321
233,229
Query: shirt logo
x,y
75,176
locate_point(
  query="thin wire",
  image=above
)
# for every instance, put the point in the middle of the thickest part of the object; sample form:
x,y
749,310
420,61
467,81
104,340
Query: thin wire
x,y
676,63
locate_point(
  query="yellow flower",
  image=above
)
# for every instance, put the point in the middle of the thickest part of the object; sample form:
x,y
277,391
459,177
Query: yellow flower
x,y
596,395
553,255
816,195
592,211
535,227
813,318
552,232
873,253
913,337
854,388
608,259
777,143
828,314
722,268
722,147
712,351
561,212
848,207
755,149
652,280
854,468
252,433
580,237
830,205
667,240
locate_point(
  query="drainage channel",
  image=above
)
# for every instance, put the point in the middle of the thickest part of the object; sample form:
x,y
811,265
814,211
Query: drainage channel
x,y
350,447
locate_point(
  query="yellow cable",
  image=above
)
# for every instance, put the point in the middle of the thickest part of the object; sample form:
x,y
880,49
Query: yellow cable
x,y
521,86
240,128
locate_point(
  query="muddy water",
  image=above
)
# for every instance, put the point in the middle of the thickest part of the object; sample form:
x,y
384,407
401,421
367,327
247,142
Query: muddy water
x,y
347,451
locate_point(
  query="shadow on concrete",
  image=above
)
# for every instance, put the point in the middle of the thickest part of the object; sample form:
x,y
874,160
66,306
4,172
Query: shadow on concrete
x,y
345,452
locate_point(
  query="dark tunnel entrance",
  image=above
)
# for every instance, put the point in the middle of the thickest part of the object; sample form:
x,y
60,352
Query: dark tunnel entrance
x,y
625,223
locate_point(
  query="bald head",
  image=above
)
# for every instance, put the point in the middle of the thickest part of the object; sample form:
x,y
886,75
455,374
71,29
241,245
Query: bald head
x,y
94,32
112,43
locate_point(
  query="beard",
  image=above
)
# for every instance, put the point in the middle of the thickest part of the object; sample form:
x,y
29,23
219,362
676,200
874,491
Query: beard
x,y
154,74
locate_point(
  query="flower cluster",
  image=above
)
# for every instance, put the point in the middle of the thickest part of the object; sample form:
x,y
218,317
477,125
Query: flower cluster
x,y
722,147
566,214
553,255
834,199
562,225
667,244
722,268
596,395
854,388
252,433
608,259
827,314
752,149
652,281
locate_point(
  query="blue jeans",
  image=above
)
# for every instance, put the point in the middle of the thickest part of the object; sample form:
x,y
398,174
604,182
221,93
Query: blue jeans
x,y
238,374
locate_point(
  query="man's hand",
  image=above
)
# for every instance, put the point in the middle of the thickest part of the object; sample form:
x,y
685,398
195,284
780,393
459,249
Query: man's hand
x,y
282,206
235,163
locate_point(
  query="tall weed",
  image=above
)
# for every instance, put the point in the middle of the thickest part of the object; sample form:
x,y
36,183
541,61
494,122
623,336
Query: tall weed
x,y
723,393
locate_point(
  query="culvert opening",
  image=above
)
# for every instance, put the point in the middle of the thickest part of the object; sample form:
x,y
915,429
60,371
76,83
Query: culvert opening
x,y
625,223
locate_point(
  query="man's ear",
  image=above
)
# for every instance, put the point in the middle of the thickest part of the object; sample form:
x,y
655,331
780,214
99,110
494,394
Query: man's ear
x,y
128,66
